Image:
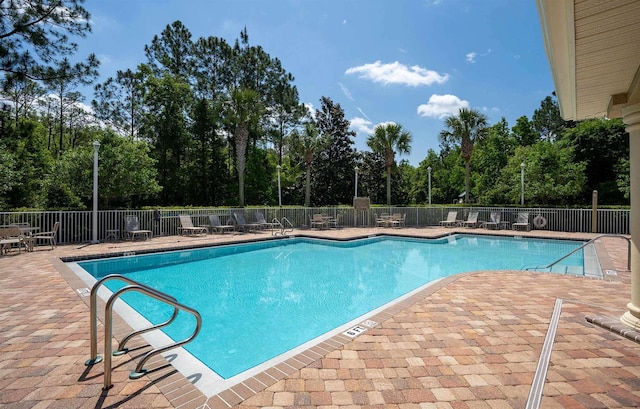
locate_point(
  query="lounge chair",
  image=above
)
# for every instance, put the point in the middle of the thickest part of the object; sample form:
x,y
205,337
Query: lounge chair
x,y
215,225
10,235
264,223
241,222
493,223
187,228
452,219
132,228
472,220
522,222
318,221
47,236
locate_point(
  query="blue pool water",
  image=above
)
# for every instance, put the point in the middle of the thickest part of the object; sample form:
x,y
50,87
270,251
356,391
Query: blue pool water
x,y
262,299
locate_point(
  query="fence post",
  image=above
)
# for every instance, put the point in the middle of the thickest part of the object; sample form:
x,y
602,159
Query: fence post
x,y
594,212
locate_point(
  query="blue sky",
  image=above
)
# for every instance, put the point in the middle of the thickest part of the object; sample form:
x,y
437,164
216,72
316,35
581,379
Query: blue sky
x,y
411,62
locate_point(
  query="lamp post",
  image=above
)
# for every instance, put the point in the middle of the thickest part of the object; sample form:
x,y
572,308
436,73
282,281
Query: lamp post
x,y
5,108
96,146
429,172
522,184
356,182
279,191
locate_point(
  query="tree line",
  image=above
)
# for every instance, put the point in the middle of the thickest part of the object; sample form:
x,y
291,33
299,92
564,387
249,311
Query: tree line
x,y
207,123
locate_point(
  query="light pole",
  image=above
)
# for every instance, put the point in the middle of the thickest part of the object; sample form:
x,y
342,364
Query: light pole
x,y
279,191
96,146
429,172
356,182
522,184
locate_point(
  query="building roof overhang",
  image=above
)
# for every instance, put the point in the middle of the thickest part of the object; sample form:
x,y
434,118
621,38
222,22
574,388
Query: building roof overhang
x,y
593,47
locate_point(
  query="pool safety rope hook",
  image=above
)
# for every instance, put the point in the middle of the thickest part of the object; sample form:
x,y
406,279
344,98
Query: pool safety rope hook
x,y
108,327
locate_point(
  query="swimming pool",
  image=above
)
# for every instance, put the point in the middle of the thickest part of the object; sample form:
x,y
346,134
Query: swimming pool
x,y
262,299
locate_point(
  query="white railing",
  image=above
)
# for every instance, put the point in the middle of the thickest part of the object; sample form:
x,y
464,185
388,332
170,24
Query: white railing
x,y
75,226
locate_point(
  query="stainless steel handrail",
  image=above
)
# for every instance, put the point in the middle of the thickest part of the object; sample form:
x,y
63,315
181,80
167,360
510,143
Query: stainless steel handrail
x,y
283,228
93,311
586,244
139,287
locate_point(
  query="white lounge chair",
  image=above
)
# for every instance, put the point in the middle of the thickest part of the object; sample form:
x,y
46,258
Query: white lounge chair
x,y
215,225
493,223
242,223
452,219
264,223
522,222
187,228
132,228
472,220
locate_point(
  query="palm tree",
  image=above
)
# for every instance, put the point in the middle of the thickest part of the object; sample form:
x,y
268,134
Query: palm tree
x,y
466,129
386,140
306,145
244,110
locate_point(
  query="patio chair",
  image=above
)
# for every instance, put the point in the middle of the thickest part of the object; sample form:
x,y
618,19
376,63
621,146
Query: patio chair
x,y
493,222
187,228
384,220
452,219
522,222
10,235
398,220
318,221
335,222
215,225
264,223
47,236
241,222
132,228
472,220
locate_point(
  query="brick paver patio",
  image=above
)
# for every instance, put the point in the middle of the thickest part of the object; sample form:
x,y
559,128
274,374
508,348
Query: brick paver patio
x,y
471,341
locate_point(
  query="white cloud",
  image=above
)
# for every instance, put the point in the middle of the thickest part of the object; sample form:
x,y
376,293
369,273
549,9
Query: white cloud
x,y
310,108
396,73
345,91
365,126
104,59
344,21
442,106
362,112
361,125
471,57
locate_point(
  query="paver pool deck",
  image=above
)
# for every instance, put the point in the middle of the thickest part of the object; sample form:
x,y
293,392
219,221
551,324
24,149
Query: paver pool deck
x,y
474,340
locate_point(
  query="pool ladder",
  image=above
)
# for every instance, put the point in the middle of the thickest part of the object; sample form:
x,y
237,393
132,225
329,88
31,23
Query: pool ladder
x,y
108,326
283,230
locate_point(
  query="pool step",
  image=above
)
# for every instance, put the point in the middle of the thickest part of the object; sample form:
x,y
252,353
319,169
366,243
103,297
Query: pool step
x,y
568,269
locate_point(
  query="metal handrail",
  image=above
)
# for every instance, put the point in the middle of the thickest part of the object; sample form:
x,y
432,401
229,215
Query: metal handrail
x,y
586,244
139,287
93,311
283,228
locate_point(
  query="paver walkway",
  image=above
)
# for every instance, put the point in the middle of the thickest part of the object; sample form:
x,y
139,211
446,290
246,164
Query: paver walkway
x,y
472,341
